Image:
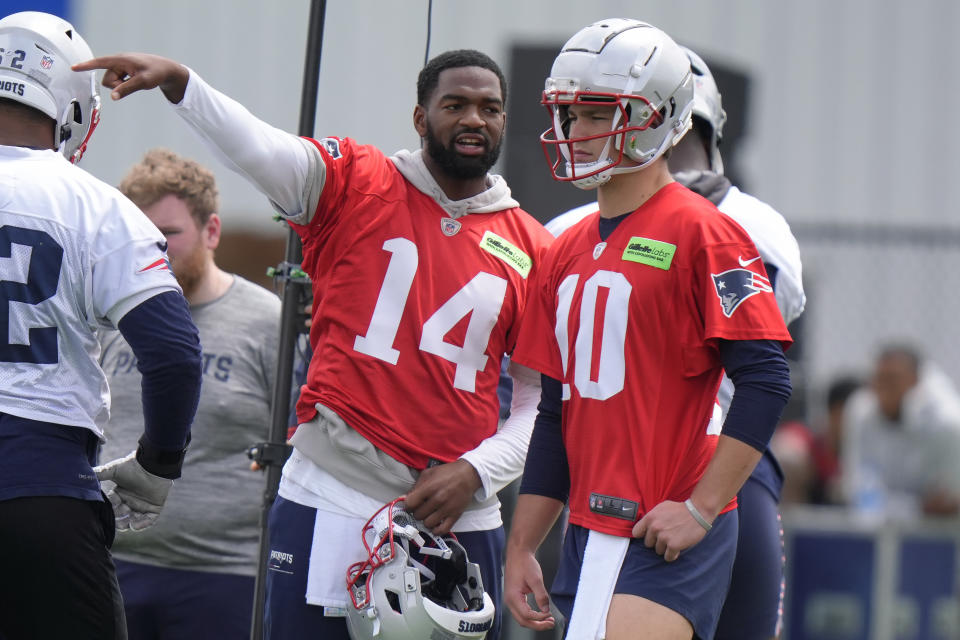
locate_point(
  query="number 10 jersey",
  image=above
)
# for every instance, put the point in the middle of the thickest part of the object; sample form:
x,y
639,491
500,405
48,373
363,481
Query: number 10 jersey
x,y
630,325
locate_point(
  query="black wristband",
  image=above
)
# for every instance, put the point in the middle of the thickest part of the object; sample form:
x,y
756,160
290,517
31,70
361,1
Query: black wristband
x,y
159,462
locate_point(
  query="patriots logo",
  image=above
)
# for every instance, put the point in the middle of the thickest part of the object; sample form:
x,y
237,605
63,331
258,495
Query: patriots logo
x,y
332,146
736,285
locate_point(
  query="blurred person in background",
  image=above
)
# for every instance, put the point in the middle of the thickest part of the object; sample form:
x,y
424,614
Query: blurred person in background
x,y
827,450
810,456
901,440
192,575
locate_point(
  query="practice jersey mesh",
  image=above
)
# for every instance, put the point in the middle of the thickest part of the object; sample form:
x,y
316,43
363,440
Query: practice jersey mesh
x,y
75,254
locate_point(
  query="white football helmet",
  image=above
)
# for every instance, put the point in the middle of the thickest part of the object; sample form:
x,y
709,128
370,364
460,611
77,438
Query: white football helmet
x,y
634,66
414,585
708,105
36,52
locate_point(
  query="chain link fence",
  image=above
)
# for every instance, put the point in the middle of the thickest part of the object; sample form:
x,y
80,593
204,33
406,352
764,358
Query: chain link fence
x,y
870,285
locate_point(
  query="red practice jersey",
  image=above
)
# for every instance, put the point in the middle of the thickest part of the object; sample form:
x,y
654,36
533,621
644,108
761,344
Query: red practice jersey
x,y
635,322
413,310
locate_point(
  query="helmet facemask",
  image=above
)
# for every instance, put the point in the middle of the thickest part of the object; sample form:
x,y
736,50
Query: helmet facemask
x,y
636,68
632,114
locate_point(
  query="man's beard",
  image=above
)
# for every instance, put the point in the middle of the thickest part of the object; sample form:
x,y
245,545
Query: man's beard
x,y
456,165
189,271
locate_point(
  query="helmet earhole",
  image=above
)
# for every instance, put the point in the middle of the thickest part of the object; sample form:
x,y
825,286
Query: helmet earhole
x,y
394,601
673,106
77,113
659,118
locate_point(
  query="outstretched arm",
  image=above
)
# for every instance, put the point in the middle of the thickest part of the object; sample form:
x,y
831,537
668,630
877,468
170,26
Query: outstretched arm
x,y
277,163
130,72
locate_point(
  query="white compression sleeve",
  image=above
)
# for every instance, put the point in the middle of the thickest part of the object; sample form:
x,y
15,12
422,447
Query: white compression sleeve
x,y
499,459
277,163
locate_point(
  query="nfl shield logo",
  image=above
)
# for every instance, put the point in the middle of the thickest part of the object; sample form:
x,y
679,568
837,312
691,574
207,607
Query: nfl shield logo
x,y
597,250
46,62
449,226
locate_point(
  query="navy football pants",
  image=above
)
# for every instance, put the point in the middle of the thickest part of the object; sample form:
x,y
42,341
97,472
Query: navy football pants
x,y
173,604
289,617
754,603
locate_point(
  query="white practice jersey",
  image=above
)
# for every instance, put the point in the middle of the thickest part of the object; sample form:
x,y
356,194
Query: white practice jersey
x,y
770,233
776,244
567,219
75,254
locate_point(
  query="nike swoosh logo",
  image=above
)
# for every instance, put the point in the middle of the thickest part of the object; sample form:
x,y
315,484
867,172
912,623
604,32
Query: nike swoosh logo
x,y
745,263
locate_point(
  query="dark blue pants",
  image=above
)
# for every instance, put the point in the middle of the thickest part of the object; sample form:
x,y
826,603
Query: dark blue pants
x,y
289,617
173,604
755,601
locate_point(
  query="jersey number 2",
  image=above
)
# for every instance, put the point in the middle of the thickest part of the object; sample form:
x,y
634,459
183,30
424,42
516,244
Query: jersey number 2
x,y
29,273
482,298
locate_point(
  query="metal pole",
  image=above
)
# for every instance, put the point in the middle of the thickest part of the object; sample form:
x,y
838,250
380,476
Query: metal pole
x,y
291,323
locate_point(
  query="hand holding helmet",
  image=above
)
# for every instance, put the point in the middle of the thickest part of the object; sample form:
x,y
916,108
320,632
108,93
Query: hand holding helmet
x,y
414,583
442,493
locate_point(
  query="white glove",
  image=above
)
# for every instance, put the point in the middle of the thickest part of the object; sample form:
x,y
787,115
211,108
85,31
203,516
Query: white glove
x,y
138,495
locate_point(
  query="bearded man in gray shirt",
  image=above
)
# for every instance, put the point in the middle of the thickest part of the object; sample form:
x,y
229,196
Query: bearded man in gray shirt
x,y
192,574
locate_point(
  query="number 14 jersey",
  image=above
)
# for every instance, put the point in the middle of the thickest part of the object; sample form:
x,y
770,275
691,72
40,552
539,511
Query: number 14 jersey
x,y
413,308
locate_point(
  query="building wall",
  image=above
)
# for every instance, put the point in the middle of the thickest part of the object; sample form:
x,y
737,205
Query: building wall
x,y
849,115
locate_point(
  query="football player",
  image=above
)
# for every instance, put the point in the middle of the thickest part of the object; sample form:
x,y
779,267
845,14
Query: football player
x,y
75,255
193,574
754,605
420,264
649,301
